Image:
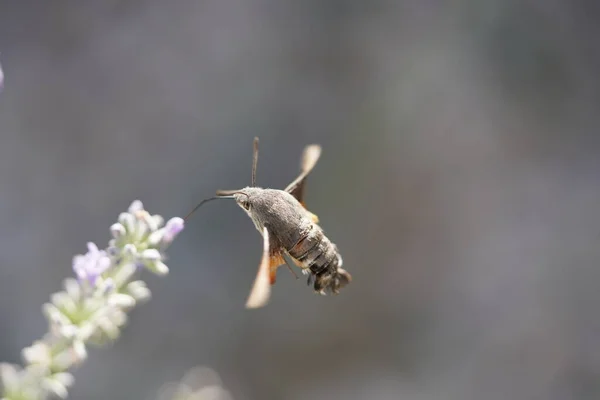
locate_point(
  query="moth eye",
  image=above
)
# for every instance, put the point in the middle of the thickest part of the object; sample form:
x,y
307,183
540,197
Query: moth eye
x,y
246,205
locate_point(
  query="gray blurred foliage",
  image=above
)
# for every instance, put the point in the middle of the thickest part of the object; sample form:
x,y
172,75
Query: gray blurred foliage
x,y
460,179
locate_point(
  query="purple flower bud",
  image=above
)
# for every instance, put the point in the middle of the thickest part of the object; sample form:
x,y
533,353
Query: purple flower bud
x,y
91,265
173,227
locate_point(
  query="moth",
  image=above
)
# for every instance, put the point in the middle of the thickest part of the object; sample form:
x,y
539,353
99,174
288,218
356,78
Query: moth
x,y
288,229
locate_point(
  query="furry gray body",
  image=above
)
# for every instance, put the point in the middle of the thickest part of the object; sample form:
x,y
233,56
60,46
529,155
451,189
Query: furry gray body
x,y
292,228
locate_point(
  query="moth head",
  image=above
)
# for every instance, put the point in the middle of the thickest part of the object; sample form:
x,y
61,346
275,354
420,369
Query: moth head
x,y
243,199
247,198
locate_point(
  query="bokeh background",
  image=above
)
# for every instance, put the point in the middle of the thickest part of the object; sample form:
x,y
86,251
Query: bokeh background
x,y
460,179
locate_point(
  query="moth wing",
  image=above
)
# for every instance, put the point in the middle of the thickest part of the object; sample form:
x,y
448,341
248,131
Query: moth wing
x,y
310,156
265,277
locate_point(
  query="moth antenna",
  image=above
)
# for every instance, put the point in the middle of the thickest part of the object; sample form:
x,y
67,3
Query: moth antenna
x,y
254,160
205,201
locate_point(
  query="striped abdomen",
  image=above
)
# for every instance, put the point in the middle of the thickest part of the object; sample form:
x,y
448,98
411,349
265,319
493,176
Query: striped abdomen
x,y
321,257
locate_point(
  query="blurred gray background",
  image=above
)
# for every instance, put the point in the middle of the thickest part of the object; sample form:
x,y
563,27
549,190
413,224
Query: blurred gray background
x,y
460,179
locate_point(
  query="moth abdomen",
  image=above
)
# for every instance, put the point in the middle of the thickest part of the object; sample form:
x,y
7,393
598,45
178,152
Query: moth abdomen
x,y
321,257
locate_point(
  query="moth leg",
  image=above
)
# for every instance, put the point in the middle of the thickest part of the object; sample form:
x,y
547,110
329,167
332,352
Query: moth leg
x,y
297,263
289,264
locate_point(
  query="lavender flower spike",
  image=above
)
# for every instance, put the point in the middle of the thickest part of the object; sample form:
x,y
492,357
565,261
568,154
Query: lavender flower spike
x,y
92,309
91,265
